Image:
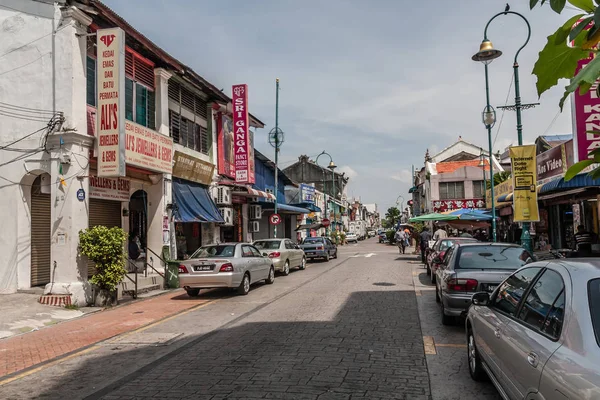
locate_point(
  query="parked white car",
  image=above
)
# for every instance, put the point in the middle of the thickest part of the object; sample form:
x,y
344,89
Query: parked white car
x,y
351,237
226,265
284,254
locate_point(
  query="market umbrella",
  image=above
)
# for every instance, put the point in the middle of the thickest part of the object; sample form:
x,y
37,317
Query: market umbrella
x,y
433,217
476,215
409,226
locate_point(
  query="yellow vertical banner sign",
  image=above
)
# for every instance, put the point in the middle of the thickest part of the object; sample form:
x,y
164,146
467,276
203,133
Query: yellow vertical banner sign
x,y
525,202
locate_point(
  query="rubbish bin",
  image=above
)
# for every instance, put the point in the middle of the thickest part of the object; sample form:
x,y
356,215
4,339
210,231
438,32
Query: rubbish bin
x,y
172,274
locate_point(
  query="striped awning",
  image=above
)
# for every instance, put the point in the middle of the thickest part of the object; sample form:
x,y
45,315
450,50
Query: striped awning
x,y
251,192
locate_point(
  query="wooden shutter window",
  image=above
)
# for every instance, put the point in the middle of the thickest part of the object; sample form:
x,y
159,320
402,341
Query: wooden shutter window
x,y
175,123
138,69
200,107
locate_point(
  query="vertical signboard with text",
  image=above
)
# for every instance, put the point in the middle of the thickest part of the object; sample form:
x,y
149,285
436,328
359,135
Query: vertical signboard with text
x,y
586,118
241,134
524,166
110,88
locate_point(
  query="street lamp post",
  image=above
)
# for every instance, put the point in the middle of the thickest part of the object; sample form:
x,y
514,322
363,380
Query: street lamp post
x,y
332,167
276,138
401,206
486,54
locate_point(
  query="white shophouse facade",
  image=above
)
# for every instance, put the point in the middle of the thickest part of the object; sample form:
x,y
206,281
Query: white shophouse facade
x,y
49,191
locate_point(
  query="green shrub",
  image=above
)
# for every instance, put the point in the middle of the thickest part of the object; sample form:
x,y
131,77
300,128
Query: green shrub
x,y
391,235
105,247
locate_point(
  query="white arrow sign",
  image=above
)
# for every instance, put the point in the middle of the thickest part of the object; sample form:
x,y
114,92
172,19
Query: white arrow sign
x,y
364,255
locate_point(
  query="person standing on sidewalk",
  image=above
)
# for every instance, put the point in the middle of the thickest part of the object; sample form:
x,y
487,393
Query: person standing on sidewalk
x,y
425,237
440,234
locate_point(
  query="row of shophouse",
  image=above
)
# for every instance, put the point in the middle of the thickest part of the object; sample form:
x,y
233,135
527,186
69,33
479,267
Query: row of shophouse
x,y
456,178
178,190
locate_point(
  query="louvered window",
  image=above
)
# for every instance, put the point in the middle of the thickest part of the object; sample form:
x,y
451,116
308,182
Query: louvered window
x,y
189,134
91,81
184,131
140,105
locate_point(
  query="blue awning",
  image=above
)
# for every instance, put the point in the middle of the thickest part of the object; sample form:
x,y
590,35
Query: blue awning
x,y
308,206
286,209
193,203
579,181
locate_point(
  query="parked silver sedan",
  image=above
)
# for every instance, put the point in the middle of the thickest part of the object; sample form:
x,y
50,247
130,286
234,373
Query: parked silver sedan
x,y
227,265
472,267
538,335
284,254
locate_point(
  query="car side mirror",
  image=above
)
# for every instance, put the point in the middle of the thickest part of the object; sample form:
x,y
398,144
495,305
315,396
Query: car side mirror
x,y
437,260
480,299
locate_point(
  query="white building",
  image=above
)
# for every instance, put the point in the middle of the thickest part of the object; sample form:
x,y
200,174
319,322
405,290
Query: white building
x,y
49,188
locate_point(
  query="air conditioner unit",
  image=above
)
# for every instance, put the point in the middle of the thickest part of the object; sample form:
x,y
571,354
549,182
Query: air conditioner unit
x,y
255,212
254,226
223,195
227,214
252,199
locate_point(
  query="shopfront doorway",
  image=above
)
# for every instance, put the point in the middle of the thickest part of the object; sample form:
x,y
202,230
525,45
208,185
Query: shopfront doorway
x,y
138,223
40,231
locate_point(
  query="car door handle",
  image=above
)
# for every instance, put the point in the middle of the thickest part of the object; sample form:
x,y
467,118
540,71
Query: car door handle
x,y
532,359
497,333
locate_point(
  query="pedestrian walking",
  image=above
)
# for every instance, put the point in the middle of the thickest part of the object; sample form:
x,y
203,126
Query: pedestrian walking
x,y
401,240
425,237
440,234
583,242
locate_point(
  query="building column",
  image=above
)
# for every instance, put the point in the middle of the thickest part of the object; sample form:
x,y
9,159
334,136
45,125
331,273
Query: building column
x,y
70,152
161,83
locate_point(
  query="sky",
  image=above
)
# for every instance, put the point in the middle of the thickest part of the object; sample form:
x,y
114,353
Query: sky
x,y
375,84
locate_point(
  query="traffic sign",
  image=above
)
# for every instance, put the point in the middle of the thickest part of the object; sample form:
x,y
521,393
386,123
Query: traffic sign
x,y
325,222
275,219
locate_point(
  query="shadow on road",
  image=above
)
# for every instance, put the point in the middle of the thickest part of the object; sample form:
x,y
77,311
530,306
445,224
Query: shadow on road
x,y
367,351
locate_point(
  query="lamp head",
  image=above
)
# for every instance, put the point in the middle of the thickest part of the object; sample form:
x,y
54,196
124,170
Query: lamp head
x,y
487,53
488,116
332,165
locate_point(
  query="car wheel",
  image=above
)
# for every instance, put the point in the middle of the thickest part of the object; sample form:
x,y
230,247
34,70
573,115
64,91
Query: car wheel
x,y
475,367
193,292
335,255
428,270
244,287
271,279
303,265
286,268
327,257
446,319
432,275
437,295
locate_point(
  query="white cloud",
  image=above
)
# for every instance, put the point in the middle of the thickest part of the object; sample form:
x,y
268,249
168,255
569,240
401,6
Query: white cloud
x,y
350,173
402,176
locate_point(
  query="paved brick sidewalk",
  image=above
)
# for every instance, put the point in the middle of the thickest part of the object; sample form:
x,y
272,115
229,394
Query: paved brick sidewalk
x,y
21,352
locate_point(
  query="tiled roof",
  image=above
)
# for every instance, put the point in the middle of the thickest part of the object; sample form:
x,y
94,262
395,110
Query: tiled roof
x,y
448,167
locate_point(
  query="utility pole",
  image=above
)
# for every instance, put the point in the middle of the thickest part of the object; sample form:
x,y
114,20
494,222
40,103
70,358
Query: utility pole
x,y
276,140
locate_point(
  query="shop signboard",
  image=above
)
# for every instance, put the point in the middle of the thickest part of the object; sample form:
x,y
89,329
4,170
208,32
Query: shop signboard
x,y
524,172
243,152
447,205
148,149
586,118
307,193
110,118
192,168
109,188
503,188
551,164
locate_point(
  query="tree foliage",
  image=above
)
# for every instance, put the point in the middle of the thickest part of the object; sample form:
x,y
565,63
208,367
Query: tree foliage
x,y
105,247
499,177
392,216
577,39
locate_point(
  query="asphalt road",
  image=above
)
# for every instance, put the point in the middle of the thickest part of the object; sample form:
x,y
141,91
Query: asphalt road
x,y
349,328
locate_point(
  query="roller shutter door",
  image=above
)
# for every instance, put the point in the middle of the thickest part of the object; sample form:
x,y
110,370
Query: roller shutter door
x,y
40,239
103,212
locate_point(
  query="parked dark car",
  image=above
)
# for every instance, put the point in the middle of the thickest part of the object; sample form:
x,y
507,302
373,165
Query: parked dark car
x,y
538,334
438,250
469,268
319,247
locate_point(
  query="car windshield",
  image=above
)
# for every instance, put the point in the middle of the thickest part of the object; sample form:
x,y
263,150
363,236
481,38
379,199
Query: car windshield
x,y
446,244
215,251
594,298
312,240
267,244
492,257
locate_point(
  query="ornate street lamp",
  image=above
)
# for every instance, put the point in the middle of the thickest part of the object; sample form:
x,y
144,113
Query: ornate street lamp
x,y
487,54
332,167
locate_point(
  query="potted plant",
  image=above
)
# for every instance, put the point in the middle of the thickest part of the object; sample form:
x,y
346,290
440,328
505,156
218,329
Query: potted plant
x,y
342,238
106,248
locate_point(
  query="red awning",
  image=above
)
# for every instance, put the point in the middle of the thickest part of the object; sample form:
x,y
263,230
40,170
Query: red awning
x,y
250,192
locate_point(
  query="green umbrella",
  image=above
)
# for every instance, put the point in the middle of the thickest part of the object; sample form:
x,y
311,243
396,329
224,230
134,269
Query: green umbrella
x,y
433,217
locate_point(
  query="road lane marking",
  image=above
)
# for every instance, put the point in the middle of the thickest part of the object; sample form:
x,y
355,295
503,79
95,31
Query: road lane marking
x,y
455,345
429,345
85,350
417,292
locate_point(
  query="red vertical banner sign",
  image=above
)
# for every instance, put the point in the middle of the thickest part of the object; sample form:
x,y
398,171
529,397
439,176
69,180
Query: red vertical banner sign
x,y
241,134
110,117
586,118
